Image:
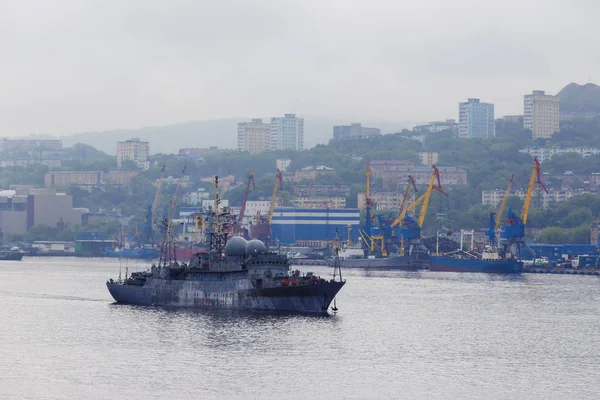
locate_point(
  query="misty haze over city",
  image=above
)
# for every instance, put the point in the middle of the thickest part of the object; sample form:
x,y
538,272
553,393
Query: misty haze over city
x,y
74,66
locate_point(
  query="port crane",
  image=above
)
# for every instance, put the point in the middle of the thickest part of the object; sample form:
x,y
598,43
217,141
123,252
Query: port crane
x,y
367,233
513,230
403,226
410,228
157,196
410,184
383,237
147,231
261,229
238,226
496,218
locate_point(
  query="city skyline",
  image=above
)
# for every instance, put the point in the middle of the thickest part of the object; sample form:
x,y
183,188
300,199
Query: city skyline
x,y
164,63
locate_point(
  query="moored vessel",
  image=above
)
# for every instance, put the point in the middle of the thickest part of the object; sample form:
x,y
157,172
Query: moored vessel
x,y
354,257
147,253
232,274
490,261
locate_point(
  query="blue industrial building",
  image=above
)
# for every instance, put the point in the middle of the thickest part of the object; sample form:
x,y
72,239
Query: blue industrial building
x,y
292,225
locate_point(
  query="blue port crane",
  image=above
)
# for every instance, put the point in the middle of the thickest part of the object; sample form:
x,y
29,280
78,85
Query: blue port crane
x,y
367,232
409,229
514,227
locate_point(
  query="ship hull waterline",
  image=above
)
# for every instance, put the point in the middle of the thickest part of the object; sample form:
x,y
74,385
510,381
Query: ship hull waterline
x,y
401,263
304,299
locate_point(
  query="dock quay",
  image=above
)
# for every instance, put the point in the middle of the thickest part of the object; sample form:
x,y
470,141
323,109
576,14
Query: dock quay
x,y
564,271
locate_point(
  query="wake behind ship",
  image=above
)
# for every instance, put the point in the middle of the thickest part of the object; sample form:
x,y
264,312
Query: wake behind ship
x,y
233,274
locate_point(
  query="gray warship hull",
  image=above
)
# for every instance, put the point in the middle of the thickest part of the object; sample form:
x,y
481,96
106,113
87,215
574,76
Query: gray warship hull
x,y
227,290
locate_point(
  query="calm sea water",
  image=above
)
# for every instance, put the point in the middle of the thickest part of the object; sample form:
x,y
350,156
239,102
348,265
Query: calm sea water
x,y
418,335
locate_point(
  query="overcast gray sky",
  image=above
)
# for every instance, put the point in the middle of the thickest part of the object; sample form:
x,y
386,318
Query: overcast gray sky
x,y
68,66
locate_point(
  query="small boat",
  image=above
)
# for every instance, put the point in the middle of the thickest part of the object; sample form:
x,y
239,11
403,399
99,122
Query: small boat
x,y
14,254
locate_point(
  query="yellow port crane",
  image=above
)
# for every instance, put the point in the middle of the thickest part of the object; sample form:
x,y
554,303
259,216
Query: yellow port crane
x,y
278,184
435,174
535,173
402,211
503,203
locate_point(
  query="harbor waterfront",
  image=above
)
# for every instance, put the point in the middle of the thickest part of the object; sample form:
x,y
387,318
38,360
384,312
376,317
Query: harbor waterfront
x,y
418,335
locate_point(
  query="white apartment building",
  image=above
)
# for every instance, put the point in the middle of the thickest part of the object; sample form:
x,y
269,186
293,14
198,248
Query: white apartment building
x,y
134,150
546,153
541,114
476,119
287,133
254,136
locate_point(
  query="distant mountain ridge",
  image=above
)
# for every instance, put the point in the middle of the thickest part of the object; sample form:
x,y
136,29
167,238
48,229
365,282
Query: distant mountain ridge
x,y
221,133
580,100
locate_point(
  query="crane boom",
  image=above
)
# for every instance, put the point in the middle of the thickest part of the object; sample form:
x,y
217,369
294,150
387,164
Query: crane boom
x,y
414,205
278,183
435,174
403,209
368,244
176,196
535,173
243,209
409,184
503,203
157,196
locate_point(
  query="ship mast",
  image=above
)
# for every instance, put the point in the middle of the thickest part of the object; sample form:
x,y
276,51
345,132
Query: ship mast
x,y
168,255
219,228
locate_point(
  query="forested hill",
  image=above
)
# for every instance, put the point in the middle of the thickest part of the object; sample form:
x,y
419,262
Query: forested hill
x,y
580,99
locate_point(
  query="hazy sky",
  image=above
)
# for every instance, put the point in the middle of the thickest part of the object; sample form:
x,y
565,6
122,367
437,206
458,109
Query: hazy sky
x,y
68,66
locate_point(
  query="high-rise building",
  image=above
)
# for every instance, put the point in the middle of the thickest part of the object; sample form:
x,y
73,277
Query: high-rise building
x,y
254,136
476,120
541,114
133,150
287,133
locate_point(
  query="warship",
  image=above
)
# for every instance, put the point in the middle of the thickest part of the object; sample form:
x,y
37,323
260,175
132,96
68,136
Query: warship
x,y
232,274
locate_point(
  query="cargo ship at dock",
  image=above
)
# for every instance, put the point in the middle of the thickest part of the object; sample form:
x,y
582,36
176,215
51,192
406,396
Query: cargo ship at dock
x,y
354,257
233,274
489,262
